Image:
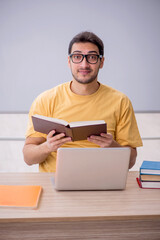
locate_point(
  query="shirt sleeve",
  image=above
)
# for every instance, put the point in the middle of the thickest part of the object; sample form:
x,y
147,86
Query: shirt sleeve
x,y
127,133
37,107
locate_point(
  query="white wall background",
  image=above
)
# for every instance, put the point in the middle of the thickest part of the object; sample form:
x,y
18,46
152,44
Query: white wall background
x,y
34,38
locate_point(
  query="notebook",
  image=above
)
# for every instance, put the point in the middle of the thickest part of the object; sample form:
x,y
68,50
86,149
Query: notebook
x,y
92,168
22,196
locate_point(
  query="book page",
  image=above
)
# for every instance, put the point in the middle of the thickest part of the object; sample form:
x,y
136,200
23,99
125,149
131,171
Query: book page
x,y
56,120
86,123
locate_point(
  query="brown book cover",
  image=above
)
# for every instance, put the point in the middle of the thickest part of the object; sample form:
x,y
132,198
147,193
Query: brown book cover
x,y
76,130
147,177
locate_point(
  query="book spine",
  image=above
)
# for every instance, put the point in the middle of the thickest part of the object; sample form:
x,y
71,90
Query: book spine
x,y
149,177
139,182
68,132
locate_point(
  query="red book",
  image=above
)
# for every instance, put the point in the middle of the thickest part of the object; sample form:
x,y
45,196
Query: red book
x,y
149,184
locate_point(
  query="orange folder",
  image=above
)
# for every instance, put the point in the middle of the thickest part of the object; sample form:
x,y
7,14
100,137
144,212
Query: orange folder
x,y
19,196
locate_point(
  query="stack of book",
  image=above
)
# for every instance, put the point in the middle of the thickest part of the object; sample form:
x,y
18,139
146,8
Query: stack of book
x,y
149,175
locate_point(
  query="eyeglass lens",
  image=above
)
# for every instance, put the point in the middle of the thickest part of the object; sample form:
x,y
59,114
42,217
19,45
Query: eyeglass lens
x,y
91,58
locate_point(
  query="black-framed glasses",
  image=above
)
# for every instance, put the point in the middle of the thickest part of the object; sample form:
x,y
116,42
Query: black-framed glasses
x,y
90,58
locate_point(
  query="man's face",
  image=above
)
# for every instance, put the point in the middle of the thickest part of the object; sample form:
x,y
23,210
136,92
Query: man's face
x,y
85,72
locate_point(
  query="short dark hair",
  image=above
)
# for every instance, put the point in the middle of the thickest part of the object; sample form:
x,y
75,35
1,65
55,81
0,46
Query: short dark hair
x,y
87,37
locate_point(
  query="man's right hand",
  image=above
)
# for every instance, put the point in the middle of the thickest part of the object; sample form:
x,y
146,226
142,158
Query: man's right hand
x,y
55,141
37,149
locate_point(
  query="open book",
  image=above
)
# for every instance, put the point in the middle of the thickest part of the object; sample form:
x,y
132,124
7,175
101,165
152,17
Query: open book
x,y
76,130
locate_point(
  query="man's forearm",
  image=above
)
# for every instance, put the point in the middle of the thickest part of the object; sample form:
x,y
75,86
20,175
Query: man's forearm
x,y
37,149
132,157
34,154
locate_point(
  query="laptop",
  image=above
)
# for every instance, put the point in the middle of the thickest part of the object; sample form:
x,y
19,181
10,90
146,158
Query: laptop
x,y
92,168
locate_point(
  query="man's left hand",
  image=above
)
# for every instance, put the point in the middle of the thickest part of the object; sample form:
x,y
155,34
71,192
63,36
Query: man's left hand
x,y
104,140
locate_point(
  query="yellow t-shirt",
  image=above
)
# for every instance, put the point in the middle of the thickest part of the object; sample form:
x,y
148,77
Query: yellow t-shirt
x,y
105,104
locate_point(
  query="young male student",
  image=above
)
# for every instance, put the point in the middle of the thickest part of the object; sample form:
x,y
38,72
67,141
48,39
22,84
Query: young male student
x,y
84,98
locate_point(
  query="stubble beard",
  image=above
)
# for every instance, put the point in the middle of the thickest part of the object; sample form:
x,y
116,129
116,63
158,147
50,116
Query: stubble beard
x,y
89,80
